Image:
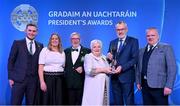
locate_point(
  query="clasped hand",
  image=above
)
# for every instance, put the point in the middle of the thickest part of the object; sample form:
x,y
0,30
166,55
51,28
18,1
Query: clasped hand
x,y
109,70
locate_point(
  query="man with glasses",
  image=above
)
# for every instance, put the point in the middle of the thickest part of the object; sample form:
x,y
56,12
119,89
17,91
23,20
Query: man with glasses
x,y
74,71
123,52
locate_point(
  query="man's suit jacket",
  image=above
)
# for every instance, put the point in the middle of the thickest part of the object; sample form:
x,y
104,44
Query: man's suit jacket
x,y
127,58
161,68
18,60
73,78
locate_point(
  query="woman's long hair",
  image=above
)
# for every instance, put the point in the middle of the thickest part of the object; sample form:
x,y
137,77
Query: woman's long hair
x,y
60,49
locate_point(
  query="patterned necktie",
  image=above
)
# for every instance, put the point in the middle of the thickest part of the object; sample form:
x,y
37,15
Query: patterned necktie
x,y
121,45
30,48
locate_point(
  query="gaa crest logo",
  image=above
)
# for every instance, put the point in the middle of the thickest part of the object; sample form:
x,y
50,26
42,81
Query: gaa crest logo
x,y
23,15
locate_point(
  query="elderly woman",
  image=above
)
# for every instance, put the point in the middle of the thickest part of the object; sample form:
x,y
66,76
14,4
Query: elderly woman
x,y
51,71
96,80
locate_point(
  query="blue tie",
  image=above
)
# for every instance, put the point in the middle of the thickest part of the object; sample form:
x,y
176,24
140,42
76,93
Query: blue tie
x,y
30,48
120,46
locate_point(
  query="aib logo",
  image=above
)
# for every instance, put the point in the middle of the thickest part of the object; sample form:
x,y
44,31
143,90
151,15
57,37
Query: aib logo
x,y
22,15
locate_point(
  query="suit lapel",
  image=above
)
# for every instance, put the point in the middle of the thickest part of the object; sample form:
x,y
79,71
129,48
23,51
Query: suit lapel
x,y
69,55
37,48
126,42
25,46
114,46
79,57
156,49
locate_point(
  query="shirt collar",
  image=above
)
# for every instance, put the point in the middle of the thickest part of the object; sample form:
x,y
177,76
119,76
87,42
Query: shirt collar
x,y
123,39
79,47
28,40
153,45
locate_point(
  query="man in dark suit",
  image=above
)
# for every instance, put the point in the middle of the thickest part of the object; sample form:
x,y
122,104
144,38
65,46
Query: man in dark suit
x,y
156,70
74,71
23,67
123,51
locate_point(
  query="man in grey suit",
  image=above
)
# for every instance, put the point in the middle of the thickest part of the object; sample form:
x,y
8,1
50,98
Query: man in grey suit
x,y
156,70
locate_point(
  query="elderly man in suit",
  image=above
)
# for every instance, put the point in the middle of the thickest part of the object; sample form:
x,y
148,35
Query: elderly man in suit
x,y
156,70
23,67
74,70
123,52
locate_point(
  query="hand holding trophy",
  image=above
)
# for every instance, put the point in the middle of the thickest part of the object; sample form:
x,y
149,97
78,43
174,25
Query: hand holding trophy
x,y
115,69
112,59
113,65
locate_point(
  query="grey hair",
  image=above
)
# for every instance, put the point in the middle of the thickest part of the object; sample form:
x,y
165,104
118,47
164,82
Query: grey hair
x,y
121,22
75,33
152,28
95,41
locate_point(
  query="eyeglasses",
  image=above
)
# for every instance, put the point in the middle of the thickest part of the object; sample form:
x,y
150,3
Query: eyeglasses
x,y
122,29
75,38
150,35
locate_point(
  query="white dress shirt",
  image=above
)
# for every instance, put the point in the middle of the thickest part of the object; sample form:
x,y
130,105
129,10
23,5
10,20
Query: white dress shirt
x,y
152,47
75,54
123,40
28,45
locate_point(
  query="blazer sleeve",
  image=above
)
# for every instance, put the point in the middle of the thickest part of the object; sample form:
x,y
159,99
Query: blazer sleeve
x,y
137,70
110,47
12,59
171,67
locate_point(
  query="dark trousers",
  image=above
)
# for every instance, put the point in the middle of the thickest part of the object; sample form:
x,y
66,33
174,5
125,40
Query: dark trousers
x,y
27,87
153,96
54,93
123,93
75,96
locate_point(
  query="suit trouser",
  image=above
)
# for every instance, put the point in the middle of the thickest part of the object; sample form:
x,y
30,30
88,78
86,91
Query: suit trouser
x,y
75,96
123,93
27,87
153,96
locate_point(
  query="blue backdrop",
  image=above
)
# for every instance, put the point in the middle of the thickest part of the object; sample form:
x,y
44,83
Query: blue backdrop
x,y
94,19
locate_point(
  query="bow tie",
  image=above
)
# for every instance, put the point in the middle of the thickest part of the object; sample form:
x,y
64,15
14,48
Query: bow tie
x,y
74,50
